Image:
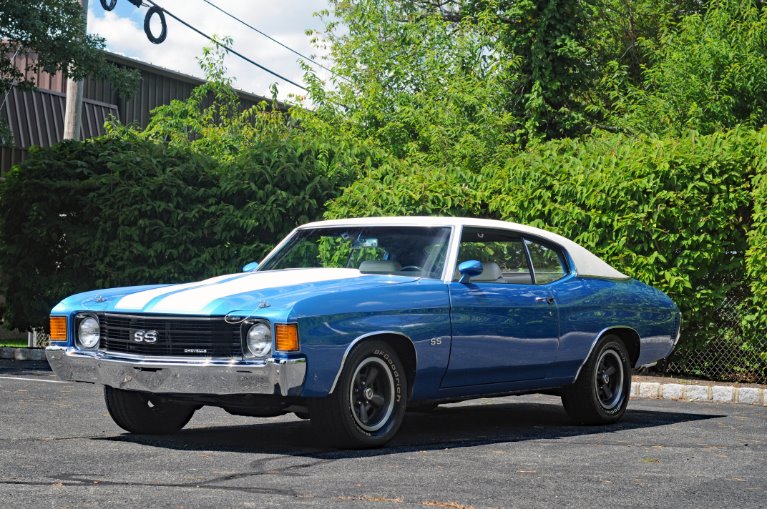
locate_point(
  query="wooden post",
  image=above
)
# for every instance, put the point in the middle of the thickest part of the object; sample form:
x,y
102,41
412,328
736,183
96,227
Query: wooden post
x,y
74,103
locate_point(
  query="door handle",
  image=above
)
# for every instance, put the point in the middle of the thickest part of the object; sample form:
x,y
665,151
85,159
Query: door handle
x,y
548,300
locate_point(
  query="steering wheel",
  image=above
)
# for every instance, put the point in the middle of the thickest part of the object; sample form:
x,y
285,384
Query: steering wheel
x,y
408,268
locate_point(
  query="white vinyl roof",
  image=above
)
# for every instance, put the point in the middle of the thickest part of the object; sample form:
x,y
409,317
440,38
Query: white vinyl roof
x,y
585,262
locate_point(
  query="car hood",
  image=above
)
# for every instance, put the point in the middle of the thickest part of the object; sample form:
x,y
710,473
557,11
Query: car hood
x,y
245,293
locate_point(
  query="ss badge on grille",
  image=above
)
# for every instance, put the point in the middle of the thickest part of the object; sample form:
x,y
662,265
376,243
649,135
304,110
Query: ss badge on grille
x,y
145,336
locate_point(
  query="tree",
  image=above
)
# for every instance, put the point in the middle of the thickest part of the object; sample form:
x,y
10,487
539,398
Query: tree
x,y
413,87
438,77
708,72
50,33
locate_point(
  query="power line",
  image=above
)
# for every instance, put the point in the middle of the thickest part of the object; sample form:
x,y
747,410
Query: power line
x,y
231,50
267,36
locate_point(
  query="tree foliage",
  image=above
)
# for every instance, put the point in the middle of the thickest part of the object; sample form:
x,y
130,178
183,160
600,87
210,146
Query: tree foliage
x,y
120,210
708,72
423,77
52,34
756,256
205,188
423,89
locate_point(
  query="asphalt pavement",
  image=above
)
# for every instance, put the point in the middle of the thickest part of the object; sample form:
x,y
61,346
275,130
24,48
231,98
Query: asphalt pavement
x,y
59,448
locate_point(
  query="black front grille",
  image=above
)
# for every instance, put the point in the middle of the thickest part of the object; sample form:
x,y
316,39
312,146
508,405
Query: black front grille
x,y
174,335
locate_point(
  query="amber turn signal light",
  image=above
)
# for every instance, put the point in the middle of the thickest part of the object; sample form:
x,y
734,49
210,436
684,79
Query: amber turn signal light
x,y
58,328
286,337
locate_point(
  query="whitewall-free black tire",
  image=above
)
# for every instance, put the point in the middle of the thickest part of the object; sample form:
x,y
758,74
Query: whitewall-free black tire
x,y
368,404
142,413
601,392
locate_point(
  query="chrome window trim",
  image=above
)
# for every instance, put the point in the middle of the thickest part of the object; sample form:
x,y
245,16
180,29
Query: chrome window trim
x,y
451,260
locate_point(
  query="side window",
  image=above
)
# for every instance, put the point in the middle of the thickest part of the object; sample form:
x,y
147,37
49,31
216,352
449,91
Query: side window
x,y
548,264
502,255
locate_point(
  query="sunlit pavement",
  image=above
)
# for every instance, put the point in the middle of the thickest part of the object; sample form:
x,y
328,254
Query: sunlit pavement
x,y
59,448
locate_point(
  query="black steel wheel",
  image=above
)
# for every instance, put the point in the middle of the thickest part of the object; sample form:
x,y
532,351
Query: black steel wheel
x,y
368,404
142,413
601,392
372,394
610,379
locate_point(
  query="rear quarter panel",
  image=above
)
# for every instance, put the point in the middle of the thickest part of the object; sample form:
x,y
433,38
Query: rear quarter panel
x,y
588,306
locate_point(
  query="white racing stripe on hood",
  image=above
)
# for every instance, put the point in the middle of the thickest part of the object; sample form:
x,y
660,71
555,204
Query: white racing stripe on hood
x,y
196,299
141,299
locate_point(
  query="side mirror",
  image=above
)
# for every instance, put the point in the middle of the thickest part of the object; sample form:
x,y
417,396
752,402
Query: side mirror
x,y
469,269
250,267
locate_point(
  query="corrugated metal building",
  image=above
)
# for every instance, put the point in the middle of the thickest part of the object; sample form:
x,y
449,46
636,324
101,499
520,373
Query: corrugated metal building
x,y
36,118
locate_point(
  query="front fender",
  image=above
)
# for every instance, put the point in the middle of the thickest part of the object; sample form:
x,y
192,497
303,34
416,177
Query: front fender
x,y
418,312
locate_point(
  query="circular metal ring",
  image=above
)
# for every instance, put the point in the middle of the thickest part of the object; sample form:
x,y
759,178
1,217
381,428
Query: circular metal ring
x,y
108,5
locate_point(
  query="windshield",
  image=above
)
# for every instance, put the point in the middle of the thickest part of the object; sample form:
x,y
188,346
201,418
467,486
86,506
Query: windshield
x,y
402,250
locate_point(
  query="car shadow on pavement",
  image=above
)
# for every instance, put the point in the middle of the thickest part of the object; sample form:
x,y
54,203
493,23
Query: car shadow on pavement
x,y
448,427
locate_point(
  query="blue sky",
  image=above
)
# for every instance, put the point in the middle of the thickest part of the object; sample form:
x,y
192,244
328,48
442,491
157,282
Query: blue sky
x,y
284,20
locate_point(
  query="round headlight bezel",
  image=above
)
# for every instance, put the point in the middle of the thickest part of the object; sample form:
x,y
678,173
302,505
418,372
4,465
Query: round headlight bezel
x,y
258,340
88,332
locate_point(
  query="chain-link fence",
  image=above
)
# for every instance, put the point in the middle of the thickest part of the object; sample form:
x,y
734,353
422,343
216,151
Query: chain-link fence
x,y
723,354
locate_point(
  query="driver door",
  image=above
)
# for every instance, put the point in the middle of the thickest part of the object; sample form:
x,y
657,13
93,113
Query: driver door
x,y
505,328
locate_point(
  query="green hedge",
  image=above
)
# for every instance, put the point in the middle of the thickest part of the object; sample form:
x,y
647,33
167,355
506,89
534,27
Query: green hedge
x,y
396,189
672,212
756,257
119,210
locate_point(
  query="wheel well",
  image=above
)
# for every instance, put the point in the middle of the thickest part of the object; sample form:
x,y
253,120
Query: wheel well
x,y
405,351
630,339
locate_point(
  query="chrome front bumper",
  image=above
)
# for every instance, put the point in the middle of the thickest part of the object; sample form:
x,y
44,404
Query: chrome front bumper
x,y
178,375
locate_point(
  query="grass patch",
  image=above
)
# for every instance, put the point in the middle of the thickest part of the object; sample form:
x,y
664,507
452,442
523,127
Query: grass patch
x,y
15,343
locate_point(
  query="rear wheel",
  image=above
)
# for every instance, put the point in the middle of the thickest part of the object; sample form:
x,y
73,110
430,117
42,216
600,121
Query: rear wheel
x,y
601,392
368,404
143,413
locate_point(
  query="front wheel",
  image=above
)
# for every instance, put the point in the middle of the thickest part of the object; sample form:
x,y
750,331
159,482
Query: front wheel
x,y
142,413
368,404
601,392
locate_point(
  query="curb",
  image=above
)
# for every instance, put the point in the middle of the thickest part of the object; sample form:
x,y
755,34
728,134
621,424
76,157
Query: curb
x,y
684,392
22,354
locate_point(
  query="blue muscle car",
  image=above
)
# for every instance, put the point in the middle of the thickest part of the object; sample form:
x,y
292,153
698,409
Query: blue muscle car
x,y
349,322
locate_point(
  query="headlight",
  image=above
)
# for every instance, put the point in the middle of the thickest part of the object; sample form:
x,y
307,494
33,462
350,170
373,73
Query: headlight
x,y
259,339
88,332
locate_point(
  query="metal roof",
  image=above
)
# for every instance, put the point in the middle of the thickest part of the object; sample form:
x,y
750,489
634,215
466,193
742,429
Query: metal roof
x,y
36,118
46,108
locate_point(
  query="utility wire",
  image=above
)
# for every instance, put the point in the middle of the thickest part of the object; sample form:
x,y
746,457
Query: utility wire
x,y
231,50
267,36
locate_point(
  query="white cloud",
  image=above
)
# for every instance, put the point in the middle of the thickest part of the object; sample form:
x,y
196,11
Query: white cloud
x,y
284,20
